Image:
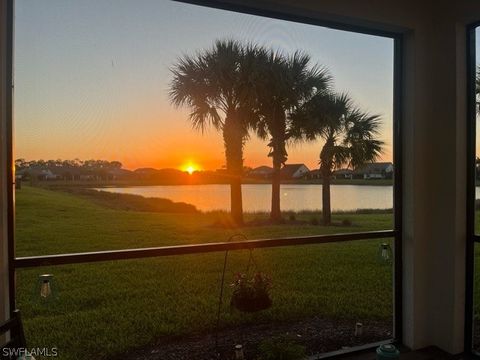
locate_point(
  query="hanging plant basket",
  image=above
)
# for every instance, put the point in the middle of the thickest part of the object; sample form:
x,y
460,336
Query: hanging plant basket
x,y
251,294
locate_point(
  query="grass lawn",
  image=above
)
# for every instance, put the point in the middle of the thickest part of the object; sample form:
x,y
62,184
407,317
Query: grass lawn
x,y
103,309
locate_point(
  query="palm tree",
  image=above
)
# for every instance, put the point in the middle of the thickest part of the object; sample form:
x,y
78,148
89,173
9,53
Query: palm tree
x,y
215,85
281,85
349,135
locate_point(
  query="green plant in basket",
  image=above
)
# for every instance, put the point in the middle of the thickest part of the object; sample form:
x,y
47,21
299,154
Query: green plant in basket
x,y
251,294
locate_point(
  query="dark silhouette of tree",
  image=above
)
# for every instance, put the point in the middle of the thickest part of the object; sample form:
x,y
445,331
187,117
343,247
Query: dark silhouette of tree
x,y
20,164
350,137
216,86
116,164
282,84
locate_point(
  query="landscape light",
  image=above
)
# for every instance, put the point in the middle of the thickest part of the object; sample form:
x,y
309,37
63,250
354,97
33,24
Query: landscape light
x,y
45,285
239,352
385,253
358,329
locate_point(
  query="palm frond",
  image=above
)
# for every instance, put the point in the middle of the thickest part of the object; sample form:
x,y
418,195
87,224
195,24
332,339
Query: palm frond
x,y
366,151
202,115
361,125
362,131
322,114
341,156
214,83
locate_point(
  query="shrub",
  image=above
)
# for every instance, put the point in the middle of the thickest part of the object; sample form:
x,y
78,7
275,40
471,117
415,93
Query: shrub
x,y
346,222
314,221
133,202
292,217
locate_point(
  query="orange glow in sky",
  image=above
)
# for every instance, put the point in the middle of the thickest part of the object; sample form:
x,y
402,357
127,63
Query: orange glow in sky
x,y
92,89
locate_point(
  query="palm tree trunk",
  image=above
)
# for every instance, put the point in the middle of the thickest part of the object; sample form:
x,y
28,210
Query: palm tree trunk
x,y
275,214
326,206
233,138
236,207
279,156
326,164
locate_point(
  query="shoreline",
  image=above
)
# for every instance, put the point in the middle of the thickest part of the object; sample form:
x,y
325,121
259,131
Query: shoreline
x,y
123,183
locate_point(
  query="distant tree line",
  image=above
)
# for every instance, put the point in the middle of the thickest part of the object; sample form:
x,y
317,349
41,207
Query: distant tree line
x,y
66,169
76,163
104,170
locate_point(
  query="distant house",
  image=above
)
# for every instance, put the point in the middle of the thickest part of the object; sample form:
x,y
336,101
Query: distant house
x,y
145,173
88,177
313,174
380,170
119,174
22,174
343,174
264,172
294,171
38,174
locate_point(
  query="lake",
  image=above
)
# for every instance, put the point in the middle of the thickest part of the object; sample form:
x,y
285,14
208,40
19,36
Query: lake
x,y
257,197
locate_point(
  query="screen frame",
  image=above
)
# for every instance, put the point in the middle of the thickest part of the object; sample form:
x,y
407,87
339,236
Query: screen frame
x,y
290,15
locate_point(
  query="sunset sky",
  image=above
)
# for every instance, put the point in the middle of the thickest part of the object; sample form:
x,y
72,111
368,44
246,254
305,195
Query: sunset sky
x,y
91,79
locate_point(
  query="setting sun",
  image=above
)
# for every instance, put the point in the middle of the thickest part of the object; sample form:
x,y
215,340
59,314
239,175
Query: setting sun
x,y
190,168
